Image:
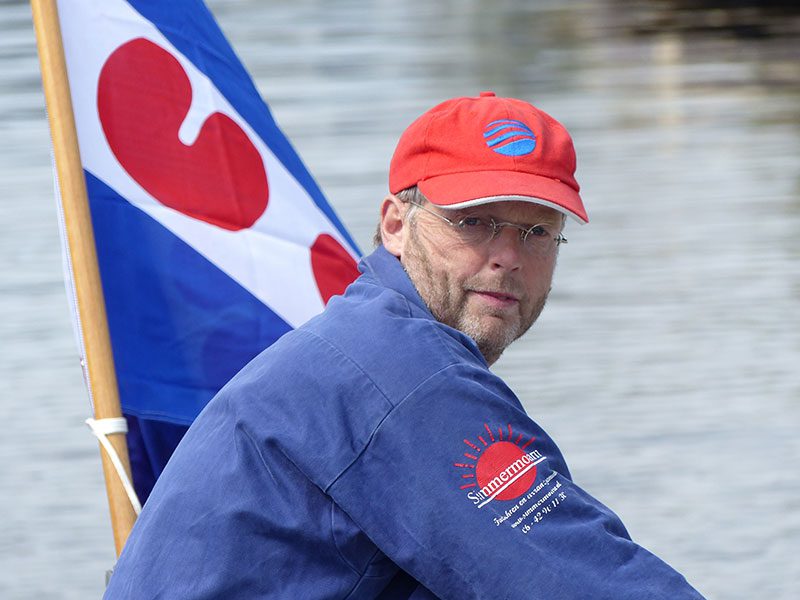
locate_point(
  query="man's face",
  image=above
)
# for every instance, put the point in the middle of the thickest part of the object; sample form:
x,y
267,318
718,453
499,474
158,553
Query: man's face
x,y
494,291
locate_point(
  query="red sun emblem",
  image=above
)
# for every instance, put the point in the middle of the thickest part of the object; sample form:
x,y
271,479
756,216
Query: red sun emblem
x,y
499,468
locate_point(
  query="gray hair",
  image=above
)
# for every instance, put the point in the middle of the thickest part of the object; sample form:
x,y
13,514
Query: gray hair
x,y
410,196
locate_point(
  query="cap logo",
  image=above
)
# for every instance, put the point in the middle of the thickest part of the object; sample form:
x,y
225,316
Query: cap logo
x,y
509,137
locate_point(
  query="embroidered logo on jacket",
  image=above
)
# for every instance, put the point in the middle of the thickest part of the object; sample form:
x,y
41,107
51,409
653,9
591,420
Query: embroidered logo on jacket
x,y
502,468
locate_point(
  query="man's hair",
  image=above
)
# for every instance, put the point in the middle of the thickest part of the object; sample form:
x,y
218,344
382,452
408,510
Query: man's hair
x,y
411,196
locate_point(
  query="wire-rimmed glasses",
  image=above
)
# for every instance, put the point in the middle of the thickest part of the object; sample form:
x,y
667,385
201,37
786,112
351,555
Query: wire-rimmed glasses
x,y
540,239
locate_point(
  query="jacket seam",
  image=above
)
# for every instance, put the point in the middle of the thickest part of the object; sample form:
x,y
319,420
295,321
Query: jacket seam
x,y
342,557
348,359
362,576
378,426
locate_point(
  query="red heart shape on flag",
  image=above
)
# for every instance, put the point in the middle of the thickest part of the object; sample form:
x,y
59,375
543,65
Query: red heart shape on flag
x,y
334,269
143,98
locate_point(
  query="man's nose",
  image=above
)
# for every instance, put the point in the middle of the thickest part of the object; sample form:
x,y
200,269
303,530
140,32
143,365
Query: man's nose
x,y
506,249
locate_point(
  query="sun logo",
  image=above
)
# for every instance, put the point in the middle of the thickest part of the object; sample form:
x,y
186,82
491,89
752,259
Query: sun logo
x,y
501,468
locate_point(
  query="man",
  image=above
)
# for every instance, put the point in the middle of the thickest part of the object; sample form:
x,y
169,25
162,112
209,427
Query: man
x,y
372,453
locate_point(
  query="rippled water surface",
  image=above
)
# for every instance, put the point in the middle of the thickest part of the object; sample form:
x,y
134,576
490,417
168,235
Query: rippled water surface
x,y
666,364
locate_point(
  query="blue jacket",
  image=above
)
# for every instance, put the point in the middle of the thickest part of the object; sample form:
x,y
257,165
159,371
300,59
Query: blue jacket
x,y
372,454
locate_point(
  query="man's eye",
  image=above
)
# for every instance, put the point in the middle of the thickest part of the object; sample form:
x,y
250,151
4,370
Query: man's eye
x,y
539,231
470,222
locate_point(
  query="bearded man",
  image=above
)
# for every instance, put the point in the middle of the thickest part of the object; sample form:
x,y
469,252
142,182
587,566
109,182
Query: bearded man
x,y
371,453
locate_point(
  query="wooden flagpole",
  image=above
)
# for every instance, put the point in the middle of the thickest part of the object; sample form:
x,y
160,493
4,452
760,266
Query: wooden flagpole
x,y
80,237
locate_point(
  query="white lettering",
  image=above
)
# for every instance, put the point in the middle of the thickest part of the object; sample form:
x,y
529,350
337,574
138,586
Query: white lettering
x,y
509,475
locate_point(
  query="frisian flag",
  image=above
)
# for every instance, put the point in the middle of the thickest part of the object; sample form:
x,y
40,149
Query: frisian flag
x,y
212,237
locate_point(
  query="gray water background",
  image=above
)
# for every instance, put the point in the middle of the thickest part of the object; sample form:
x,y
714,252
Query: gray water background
x,y
666,364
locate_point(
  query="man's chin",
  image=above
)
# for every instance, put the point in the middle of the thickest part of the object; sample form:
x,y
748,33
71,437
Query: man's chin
x,y
496,325
492,334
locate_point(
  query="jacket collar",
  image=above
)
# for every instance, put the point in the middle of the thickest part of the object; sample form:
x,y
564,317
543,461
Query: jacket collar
x,y
387,270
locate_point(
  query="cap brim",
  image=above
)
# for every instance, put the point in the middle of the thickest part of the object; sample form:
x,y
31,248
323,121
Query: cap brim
x,y
462,190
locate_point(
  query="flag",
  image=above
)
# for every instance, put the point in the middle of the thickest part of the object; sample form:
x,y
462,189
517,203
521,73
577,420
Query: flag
x,y
213,239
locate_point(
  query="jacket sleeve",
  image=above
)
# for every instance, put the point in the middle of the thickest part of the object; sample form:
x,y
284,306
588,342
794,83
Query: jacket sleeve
x,y
461,489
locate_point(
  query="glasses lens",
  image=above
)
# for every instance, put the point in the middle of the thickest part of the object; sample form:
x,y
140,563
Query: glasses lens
x,y
474,230
541,239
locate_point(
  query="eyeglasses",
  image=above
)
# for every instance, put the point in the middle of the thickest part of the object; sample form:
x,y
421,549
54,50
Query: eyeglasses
x,y
538,239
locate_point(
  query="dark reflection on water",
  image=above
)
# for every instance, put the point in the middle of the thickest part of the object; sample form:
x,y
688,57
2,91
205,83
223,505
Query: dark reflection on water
x,y
666,363
741,18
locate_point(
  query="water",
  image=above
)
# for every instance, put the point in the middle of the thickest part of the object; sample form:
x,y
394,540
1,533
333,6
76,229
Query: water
x,y
666,362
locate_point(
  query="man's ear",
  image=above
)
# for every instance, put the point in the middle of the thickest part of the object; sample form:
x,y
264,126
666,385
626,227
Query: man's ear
x,y
393,227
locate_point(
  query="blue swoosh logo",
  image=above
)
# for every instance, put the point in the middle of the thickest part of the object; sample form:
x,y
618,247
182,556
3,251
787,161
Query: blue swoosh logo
x,y
509,137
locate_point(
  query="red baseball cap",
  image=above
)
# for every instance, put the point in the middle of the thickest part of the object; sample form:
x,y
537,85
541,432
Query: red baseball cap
x,y
469,151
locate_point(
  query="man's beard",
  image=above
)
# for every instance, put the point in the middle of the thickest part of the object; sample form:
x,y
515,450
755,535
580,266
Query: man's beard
x,y
447,300
493,345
